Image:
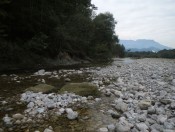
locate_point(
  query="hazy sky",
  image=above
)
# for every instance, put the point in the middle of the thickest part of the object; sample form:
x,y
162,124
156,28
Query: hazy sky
x,y
142,19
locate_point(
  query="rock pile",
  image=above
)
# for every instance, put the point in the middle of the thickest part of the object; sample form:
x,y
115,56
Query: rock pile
x,y
144,92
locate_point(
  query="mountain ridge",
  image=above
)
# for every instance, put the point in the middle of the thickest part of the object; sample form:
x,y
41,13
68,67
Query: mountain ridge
x,y
143,45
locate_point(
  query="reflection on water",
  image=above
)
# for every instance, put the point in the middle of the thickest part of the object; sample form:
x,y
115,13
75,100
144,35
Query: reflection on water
x,y
123,61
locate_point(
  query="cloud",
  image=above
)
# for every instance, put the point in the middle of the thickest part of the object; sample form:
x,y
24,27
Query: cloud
x,y
142,19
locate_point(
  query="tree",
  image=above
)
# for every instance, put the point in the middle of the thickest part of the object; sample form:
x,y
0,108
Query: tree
x,y
104,35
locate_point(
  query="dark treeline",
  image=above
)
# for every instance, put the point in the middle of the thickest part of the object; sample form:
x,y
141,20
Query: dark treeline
x,y
31,30
161,54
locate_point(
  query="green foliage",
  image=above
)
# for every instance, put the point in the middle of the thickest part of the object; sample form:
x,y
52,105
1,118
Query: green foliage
x,y
46,28
119,50
161,54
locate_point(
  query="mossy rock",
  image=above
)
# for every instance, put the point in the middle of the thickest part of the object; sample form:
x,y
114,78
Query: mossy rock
x,y
82,89
44,88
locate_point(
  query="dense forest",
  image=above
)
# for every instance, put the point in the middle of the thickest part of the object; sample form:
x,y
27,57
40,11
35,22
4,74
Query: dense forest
x,y
161,54
37,30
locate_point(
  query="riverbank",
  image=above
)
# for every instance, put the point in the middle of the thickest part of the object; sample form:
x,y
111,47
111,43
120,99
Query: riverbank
x,y
135,96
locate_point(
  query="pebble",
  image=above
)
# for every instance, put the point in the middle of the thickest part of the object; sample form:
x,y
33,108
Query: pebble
x,y
103,130
18,116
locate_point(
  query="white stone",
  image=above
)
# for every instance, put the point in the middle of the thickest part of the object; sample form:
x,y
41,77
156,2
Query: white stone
x,y
103,129
7,120
30,105
71,114
61,110
48,130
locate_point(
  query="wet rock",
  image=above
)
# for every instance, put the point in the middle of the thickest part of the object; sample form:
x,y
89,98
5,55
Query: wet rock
x,y
40,72
160,111
83,89
71,114
44,88
18,116
67,80
144,104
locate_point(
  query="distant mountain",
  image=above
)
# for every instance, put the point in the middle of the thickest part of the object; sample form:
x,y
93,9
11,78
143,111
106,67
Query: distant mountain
x,y
143,45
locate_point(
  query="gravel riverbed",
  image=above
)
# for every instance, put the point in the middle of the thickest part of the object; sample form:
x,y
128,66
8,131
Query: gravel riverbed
x,y
136,97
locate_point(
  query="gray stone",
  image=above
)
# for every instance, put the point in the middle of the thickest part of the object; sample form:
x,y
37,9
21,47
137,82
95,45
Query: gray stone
x,y
141,126
114,114
17,122
168,130
169,125
157,127
173,82
142,118
123,126
173,105
111,128
165,101
104,129
151,110
82,89
161,119
44,88
121,106
67,80
30,105
117,93
1,130
144,104
18,116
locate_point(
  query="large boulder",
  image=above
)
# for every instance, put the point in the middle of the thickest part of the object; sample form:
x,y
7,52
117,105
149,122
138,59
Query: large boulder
x,y
44,88
82,89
